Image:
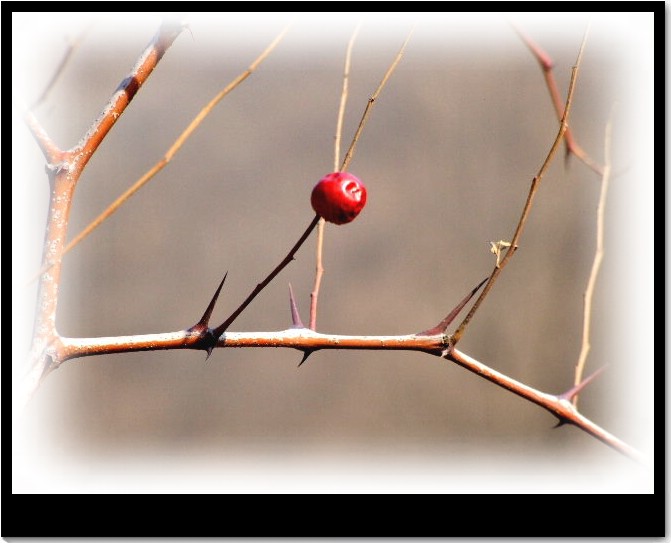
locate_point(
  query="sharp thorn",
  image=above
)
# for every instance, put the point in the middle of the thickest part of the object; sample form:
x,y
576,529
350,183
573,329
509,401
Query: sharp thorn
x,y
573,391
205,319
306,353
295,317
441,327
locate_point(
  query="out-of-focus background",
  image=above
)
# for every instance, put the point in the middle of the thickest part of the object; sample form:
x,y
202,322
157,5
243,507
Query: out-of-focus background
x,y
447,155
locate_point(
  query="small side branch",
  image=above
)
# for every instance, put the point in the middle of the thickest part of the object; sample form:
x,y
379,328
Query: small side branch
x,y
175,147
371,102
60,68
547,66
596,265
535,183
343,98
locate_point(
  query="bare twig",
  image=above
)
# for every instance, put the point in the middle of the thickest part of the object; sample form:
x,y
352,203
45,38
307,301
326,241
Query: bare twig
x,y
176,146
319,272
371,102
343,97
596,264
547,66
535,183
60,68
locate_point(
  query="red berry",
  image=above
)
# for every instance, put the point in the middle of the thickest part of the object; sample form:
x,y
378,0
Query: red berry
x,y
339,197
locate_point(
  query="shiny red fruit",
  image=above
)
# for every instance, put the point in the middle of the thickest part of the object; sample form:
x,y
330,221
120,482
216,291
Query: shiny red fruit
x,y
339,197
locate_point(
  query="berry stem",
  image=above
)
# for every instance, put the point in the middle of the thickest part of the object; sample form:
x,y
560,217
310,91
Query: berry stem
x,y
287,259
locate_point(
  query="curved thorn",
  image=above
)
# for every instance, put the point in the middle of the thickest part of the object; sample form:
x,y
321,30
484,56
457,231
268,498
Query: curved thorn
x,y
441,327
209,352
205,319
295,316
306,353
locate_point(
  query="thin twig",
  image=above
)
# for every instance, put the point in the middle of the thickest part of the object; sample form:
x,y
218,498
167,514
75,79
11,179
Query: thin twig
x,y
596,264
535,183
547,66
60,68
176,146
319,272
371,102
343,97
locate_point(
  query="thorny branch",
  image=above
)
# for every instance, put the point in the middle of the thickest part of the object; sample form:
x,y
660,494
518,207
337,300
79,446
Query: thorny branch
x,y
50,349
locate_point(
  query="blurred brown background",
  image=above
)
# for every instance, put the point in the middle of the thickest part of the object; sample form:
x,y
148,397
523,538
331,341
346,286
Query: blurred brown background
x,y
447,155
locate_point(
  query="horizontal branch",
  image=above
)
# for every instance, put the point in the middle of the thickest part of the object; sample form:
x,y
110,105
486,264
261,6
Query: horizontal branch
x,y
302,339
308,341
